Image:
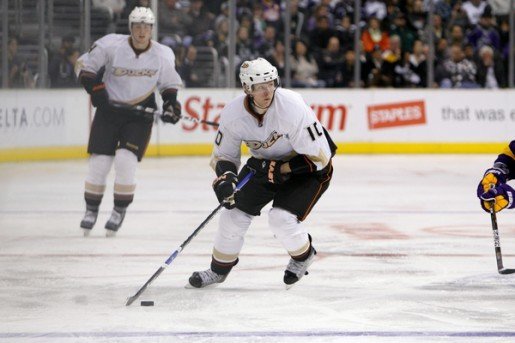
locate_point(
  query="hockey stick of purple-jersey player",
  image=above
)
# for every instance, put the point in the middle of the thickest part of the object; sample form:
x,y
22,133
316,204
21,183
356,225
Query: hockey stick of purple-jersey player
x,y
158,272
497,243
150,112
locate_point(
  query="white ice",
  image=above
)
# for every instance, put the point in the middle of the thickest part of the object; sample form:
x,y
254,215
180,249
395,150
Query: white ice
x,y
405,254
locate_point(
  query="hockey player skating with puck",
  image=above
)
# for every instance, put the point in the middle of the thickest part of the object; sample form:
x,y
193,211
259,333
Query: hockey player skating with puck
x,y
134,66
291,156
493,187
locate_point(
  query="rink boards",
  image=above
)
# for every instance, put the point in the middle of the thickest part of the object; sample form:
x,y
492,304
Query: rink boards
x,y
54,124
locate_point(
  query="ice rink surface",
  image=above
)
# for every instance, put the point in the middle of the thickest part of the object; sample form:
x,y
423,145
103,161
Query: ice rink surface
x,y
405,254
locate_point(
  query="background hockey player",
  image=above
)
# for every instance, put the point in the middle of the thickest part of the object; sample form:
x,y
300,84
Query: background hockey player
x,y
291,154
134,66
493,186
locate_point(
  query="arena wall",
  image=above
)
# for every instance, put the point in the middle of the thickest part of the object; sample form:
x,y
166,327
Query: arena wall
x,y
54,124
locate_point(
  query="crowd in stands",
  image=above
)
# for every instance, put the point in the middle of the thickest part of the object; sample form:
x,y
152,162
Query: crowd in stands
x,y
471,40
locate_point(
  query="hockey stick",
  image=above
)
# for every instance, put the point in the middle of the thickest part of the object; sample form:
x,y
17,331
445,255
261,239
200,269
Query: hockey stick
x,y
497,243
150,112
158,272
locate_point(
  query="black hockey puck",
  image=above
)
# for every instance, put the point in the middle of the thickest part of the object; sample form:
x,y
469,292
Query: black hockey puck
x,y
147,303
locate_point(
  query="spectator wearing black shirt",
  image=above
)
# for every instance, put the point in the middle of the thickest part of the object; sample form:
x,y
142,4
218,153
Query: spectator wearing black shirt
x,y
490,69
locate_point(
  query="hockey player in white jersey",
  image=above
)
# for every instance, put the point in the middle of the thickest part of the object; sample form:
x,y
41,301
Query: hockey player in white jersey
x,y
291,156
134,66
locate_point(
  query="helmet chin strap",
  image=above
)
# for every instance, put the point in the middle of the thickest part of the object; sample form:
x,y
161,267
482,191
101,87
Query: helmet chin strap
x,y
257,108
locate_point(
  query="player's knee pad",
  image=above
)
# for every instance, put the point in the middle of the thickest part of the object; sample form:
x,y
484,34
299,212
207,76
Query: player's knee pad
x,y
99,167
125,164
234,223
230,235
287,228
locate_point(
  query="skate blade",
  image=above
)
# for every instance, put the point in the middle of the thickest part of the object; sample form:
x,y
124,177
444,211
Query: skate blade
x,y
86,232
110,233
213,285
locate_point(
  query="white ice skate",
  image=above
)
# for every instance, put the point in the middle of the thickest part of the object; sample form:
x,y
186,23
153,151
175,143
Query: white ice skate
x,y
89,220
205,278
295,270
114,223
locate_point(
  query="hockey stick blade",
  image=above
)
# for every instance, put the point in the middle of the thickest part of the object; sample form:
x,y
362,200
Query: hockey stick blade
x,y
505,271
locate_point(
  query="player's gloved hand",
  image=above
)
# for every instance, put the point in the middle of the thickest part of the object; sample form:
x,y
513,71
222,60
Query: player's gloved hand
x,y
172,112
268,169
502,195
493,177
224,187
99,96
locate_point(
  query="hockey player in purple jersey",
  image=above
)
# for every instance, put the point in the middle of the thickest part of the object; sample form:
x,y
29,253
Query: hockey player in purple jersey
x,y
493,187
134,66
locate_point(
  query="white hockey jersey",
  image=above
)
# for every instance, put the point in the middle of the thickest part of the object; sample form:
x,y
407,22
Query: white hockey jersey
x,y
130,78
288,128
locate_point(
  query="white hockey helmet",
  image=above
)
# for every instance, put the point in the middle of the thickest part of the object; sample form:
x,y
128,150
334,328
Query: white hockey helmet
x,y
141,15
257,71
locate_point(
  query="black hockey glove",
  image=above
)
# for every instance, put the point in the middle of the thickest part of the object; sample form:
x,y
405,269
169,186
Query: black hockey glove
x,y
99,96
270,170
172,112
224,187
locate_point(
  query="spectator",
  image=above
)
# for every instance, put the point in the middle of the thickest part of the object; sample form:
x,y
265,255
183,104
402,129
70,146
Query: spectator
x,y
20,75
271,12
304,67
456,35
458,16
474,9
372,70
457,71
437,30
490,69
220,38
375,9
484,33
330,64
348,69
244,46
258,19
61,71
188,71
344,8
417,16
172,18
199,19
113,7
320,11
504,38
319,37
392,62
441,51
265,45
297,20
278,57
373,37
345,31
418,65
406,35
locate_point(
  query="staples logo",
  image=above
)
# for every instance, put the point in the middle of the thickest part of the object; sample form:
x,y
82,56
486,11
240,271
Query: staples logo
x,y
396,114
